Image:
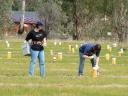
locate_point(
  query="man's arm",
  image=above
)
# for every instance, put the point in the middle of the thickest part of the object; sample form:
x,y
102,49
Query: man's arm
x,y
87,57
97,61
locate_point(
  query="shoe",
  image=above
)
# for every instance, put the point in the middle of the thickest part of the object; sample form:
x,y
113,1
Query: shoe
x,y
80,74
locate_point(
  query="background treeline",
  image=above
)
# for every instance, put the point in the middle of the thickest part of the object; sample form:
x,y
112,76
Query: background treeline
x,y
65,18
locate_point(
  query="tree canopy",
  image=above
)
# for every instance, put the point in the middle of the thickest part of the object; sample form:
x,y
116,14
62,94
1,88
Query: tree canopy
x,y
83,18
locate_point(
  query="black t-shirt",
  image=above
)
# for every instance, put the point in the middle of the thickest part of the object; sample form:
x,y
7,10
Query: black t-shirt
x,y
36,36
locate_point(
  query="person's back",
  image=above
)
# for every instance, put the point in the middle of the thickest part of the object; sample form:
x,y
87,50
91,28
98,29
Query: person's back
x,y
86,47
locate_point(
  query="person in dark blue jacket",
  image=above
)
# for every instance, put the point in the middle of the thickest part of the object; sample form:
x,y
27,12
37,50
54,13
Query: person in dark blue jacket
x,y
88,51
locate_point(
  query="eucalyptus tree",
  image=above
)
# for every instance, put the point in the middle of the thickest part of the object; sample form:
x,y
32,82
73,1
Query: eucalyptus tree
x,y
17,5
84,13
120,19
51,14
5,16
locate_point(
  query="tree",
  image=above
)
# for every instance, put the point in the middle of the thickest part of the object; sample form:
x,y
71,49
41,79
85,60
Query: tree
x,y
17,5
5,16
51,14
120,19
77,16
83,13
22,18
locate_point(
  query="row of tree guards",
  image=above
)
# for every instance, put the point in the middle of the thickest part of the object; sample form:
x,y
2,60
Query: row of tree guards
x,y
72,49
60,55
9,52
110,50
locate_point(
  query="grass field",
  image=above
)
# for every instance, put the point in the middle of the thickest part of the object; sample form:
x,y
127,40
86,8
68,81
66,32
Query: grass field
x,y
62,76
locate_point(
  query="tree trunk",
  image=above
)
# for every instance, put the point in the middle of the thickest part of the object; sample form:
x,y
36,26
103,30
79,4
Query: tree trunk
x,y
76,22
22,17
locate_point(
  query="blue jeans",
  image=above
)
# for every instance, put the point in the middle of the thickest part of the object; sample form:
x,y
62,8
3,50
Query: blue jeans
x,y
81,63
34,56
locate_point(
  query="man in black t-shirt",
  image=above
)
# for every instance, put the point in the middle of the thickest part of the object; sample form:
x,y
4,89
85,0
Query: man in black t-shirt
x,y
38,38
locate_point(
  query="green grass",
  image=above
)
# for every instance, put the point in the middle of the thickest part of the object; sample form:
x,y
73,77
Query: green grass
x,y
62,76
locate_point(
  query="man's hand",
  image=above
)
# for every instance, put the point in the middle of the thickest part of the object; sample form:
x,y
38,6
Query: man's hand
x,y
91,57
96,66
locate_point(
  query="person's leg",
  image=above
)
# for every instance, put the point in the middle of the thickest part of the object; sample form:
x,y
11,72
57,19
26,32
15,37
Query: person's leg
x,y
81,64
93,61
41,63
34,55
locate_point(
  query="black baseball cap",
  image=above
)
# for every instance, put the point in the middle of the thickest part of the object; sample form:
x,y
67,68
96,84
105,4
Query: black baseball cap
x,y
39,23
